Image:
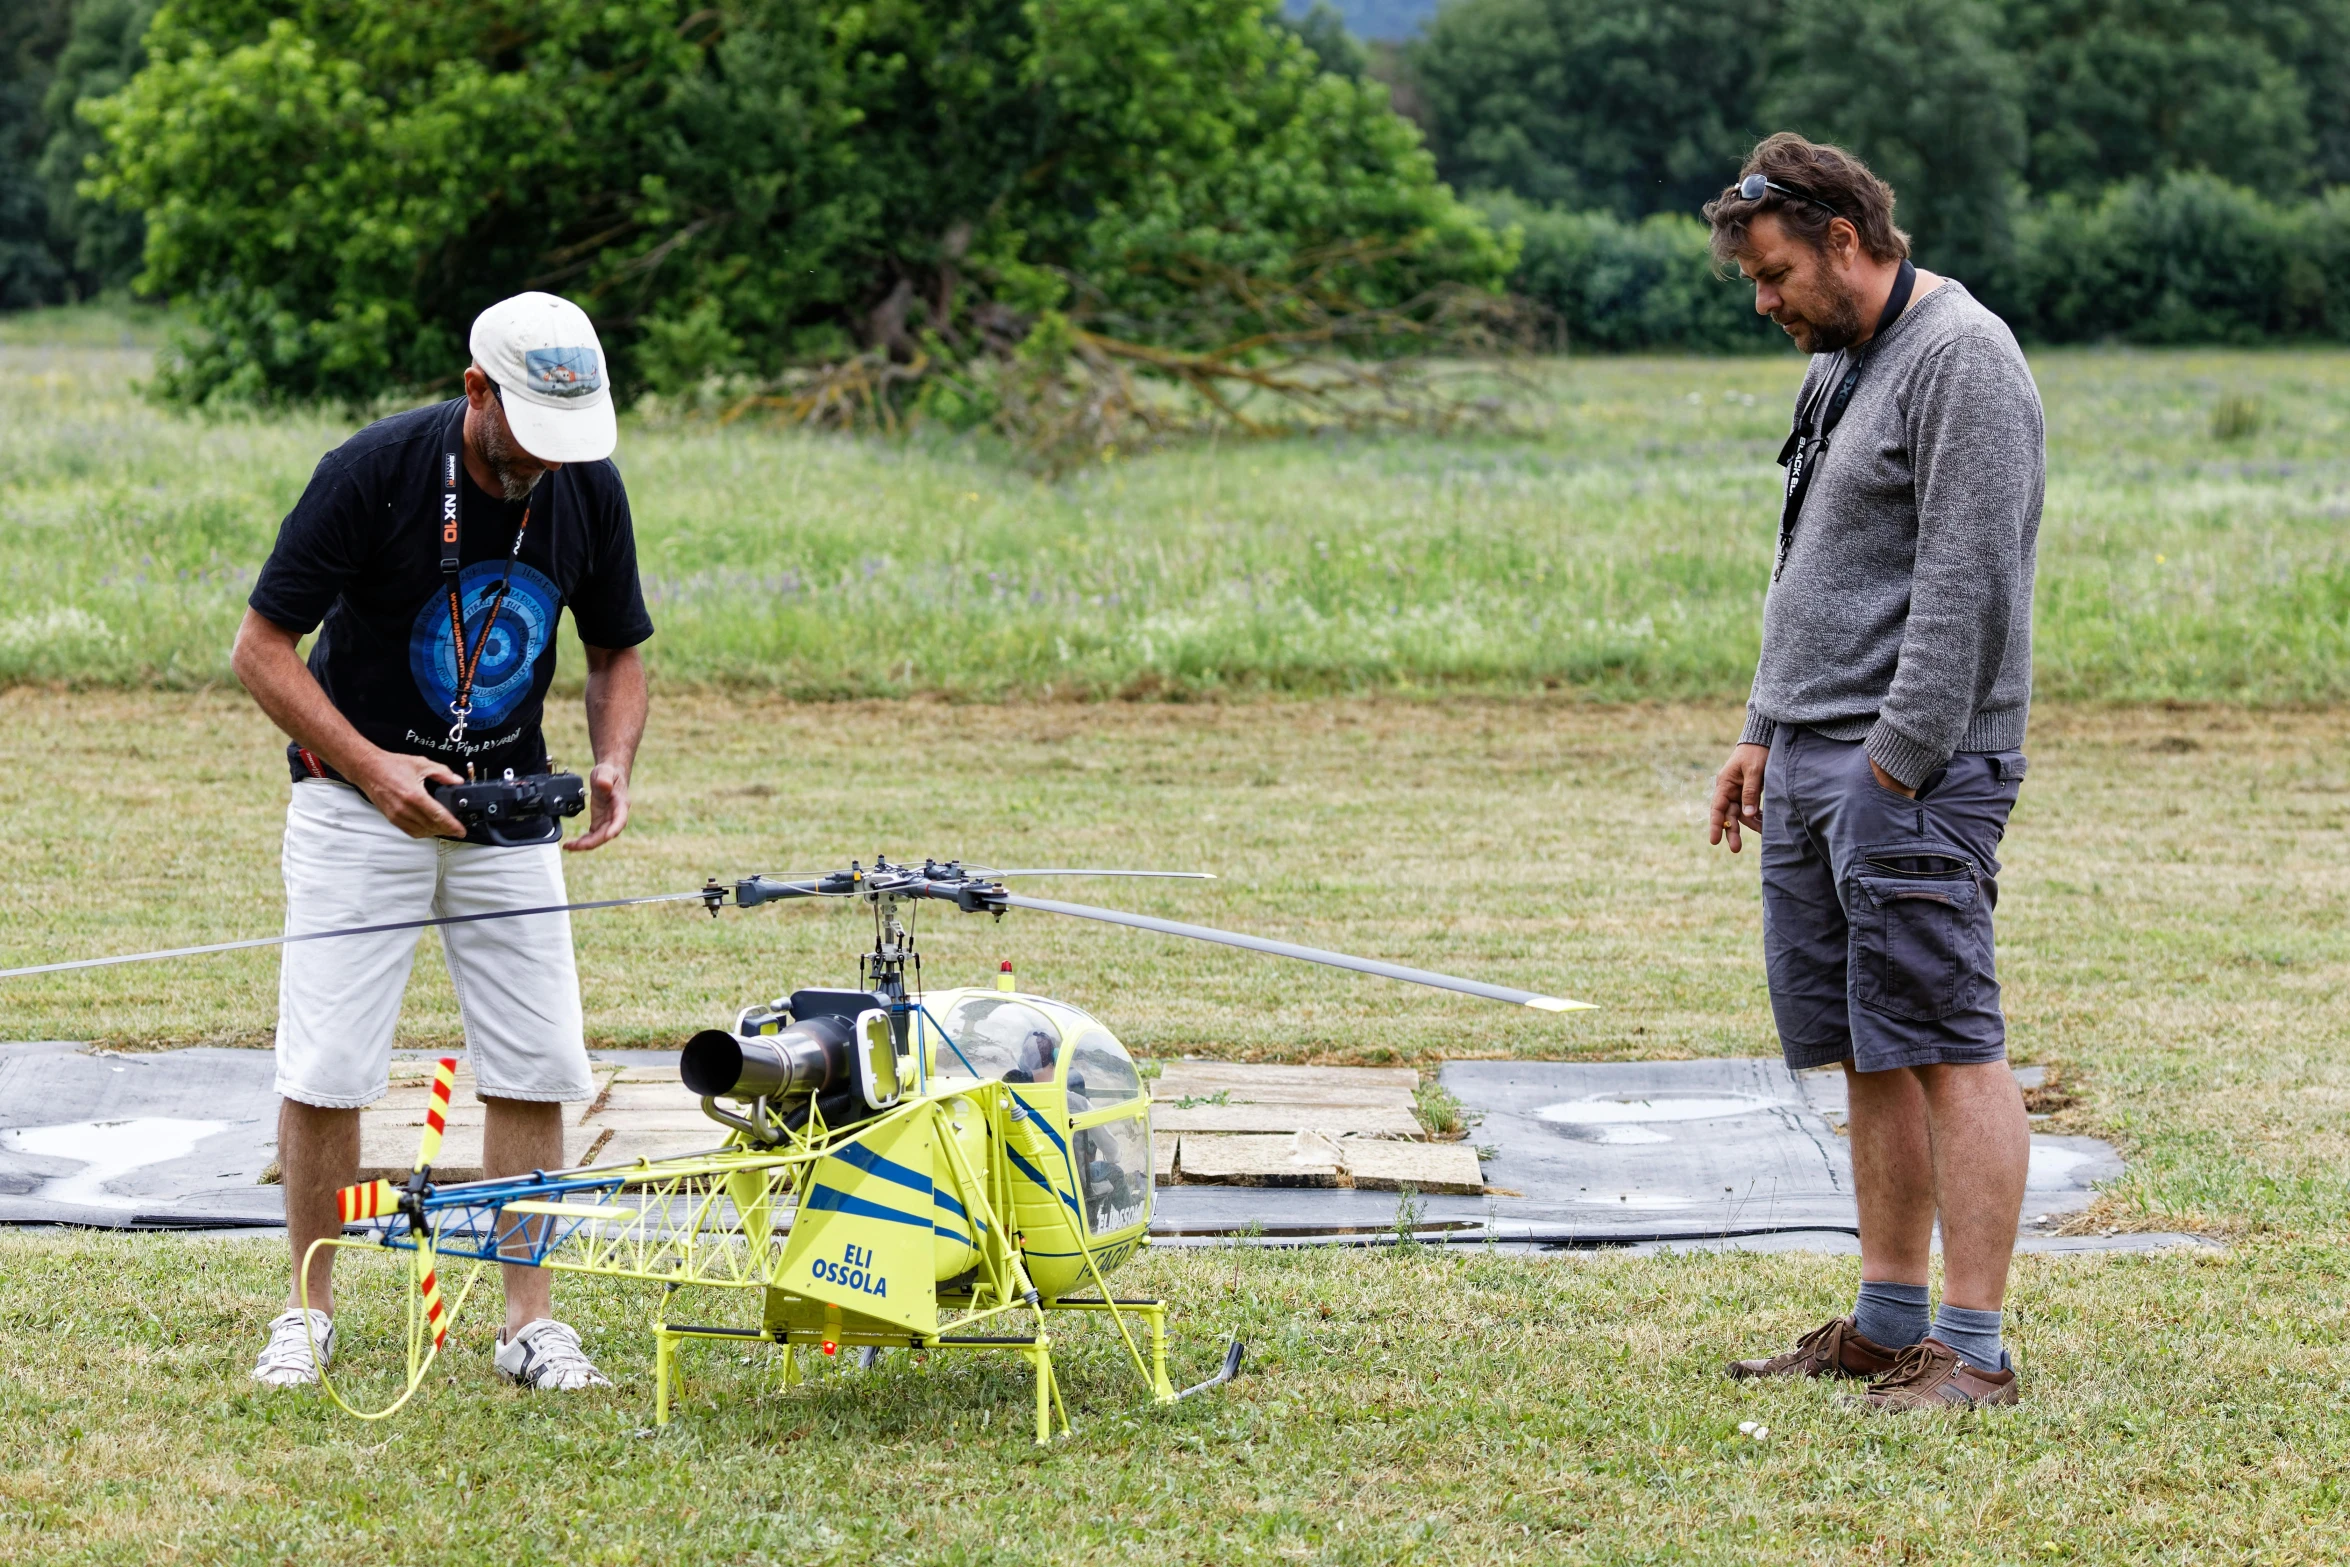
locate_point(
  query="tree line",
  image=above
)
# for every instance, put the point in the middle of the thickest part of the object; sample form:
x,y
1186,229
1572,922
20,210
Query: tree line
x,y
2152,169
963,198
330,189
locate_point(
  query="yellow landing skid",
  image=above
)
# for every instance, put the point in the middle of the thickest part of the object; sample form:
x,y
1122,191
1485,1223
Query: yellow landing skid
x,y
1036,1349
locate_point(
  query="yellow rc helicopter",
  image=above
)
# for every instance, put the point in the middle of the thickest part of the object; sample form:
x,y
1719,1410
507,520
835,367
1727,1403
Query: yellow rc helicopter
x,y
898,1169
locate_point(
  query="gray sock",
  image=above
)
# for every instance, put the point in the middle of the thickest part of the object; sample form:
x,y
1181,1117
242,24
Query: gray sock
x,y
1974,1334
1893,1315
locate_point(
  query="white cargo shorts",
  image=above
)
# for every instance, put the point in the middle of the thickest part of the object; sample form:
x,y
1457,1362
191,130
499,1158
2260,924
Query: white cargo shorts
x,y
338,1000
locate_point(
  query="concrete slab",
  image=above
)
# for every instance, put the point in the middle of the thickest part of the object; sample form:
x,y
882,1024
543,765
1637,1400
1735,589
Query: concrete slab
x,y
1298,1159
1439,1169
1626,1153
627,1147
388,1151
1177,1078
1327,1121
1358,1098
683,1115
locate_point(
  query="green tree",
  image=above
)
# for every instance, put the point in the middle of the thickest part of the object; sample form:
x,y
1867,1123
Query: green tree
x,y
1624,287
98,242
2186,259
2123,89
337,186
1323,31
1630,106
31,34
1923,92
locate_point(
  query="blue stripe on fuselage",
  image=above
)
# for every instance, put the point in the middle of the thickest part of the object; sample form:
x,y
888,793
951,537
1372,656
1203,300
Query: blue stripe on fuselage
x,y
871,1163
1047,1126
823,1199
939,1195
1036,1175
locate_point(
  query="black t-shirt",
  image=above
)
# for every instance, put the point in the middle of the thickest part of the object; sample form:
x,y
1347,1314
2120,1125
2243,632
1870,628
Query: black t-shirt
x,y
361,551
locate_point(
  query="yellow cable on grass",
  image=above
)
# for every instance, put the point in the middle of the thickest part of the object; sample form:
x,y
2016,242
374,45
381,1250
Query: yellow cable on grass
x,y
418,1302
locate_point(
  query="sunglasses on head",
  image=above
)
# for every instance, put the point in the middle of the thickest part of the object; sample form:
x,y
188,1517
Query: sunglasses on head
x,y
1755,186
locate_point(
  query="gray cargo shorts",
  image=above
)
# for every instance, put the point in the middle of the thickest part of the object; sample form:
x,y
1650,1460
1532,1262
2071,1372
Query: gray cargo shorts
x,y
1877,908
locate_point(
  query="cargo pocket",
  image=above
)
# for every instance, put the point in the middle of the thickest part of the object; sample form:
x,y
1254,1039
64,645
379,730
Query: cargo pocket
x,y
1917,933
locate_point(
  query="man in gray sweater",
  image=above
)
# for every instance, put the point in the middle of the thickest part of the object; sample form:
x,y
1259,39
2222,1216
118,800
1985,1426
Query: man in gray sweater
x,y
1882,753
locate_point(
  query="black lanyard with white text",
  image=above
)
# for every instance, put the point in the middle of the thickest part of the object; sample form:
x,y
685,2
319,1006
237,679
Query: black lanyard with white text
x,y
452,505
1802,453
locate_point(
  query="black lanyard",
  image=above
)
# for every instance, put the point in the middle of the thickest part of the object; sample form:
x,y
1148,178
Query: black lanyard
x,y
452,507
1803,451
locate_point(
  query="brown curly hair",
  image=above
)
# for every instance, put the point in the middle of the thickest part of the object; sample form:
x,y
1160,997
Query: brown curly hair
x,y
1831,174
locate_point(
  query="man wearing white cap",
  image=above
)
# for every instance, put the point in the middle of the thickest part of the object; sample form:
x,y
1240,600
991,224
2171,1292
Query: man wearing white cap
x,y
433,551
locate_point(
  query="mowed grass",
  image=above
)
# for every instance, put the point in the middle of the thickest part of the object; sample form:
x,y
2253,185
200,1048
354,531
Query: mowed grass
x,y
2173,945
2172,918
1461,1406
1617,543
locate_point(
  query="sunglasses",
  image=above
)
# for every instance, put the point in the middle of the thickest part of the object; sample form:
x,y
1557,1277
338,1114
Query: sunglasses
x,y
1755,186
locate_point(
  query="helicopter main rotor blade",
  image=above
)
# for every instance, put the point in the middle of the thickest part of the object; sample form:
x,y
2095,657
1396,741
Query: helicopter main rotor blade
x,y
352,930
981,870
1284,949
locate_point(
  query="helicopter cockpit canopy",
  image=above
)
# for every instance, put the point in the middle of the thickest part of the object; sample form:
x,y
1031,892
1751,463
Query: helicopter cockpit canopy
x,y
1101,1073
1016,1041
1003,1038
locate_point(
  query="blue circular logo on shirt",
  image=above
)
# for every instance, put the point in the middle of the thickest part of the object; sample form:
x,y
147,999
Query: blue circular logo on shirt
x,y
525,628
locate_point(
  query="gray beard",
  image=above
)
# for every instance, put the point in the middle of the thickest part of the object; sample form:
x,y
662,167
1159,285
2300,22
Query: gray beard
x,y
516,474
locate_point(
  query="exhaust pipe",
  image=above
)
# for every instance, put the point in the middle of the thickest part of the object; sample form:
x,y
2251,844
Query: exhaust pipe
x,y
803,1060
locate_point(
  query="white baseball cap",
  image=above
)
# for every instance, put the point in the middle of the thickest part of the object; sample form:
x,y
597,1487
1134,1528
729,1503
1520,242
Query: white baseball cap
x,y
552,378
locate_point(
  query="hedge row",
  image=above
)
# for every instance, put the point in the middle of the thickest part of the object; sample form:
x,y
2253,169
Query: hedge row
x,y
2190,259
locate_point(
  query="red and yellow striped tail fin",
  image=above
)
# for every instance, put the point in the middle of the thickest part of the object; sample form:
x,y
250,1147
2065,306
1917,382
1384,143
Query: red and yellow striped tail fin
x,y
367,1200
436,1112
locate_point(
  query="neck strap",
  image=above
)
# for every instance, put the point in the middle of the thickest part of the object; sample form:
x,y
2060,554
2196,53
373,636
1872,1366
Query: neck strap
x,y
1896,302
452,525
1808,441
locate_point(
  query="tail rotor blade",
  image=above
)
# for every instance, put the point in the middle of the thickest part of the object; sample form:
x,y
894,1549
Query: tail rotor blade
x,y
367,1200
435,1317
1284,949
436,1112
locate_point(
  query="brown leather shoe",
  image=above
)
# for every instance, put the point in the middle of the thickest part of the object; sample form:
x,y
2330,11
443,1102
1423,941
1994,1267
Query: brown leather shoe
x,y
1834,1349
1930,1375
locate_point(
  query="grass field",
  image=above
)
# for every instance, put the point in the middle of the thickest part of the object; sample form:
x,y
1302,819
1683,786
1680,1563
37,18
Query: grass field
x,y
1617,545
2175,947
2174,940
1409,1408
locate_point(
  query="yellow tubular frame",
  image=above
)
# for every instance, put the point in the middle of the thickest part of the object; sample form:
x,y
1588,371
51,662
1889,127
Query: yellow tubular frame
x,y
649,1244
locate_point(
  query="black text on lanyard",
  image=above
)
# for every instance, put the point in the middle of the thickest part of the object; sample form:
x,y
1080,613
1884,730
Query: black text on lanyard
x,y
452,496
1806,446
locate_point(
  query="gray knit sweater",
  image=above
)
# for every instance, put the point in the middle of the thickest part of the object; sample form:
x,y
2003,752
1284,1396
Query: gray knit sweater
x,y
1904,614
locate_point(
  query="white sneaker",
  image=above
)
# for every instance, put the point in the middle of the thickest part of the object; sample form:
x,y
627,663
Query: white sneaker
x,y
546,1355
285,1359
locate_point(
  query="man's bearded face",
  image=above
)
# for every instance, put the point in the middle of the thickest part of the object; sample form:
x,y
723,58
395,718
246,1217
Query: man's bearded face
x,y
1800,288
516,471
1826,318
